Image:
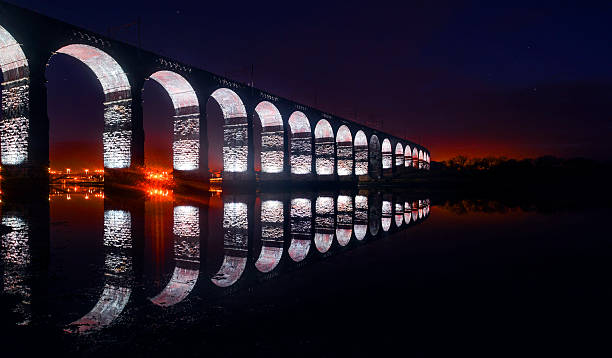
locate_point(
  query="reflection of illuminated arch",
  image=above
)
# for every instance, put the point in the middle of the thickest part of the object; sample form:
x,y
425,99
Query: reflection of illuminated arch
x,y
361,153
387,154
415,211
375,157
16,258
301,228
387,212
324,223
399,155
415,158
407,212
344,151
271,235
272,137
300,144
118,274
117,136
186,141
186,232
235,130
235,243
324,148
399,212
344,219
407,156
14,127
375,215
361,216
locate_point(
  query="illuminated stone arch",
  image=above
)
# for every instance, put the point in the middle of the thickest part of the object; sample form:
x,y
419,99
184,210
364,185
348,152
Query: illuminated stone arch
x,y
415,158
186,122
272,138
407,212
324,148
407,156
117,136
235,243
421,161
235,131
387,213
399,155
361,153
361,216
399,211
387,154
324,223
300,144
375,165
301,228
15,122
344,151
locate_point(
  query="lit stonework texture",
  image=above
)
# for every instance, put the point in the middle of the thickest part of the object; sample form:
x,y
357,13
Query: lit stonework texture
x,y
407,157
117,137
235,243
344,219
387,155
301,228
386,215
415,158
272,138
14,125
235,131
324,148
407,212
399,155
271,235
375,157
421,162
344,151
361,154
399,213
324,223
186,122
16,258
300,145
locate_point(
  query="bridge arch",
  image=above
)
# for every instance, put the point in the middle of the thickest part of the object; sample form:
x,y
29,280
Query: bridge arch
x,y
117,136
300,144
387,154
399,155
235,130
421,161
14,127
344,151
361,153
272,232
407,156
415,158
324,148
344,219
272,138
375,157
186,121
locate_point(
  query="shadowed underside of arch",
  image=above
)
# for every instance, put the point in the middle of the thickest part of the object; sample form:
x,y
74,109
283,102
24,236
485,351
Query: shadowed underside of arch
x,y
387,154
361,153
375,157
324,148
344,151
117,137
186,123
272,138
300,144
235,131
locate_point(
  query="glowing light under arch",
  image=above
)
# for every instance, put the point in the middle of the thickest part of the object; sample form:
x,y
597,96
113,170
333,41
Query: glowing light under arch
x,y
361,216
344,151
387,154
300,144
415,158
324,223
386,215
399,155
361,153
272,137
324,148
235,130
407,212
301,228
117,137
421,159
15,121
235,243
407,156
271,235
344,219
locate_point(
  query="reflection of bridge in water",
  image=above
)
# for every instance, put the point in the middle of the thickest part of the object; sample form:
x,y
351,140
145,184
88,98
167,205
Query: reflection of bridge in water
x,y
298,142
292,230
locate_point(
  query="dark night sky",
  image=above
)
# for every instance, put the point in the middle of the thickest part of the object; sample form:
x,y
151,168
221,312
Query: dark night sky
x,y
520,80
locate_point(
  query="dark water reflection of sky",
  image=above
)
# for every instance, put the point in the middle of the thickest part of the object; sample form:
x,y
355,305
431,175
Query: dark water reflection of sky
x,y
87,268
